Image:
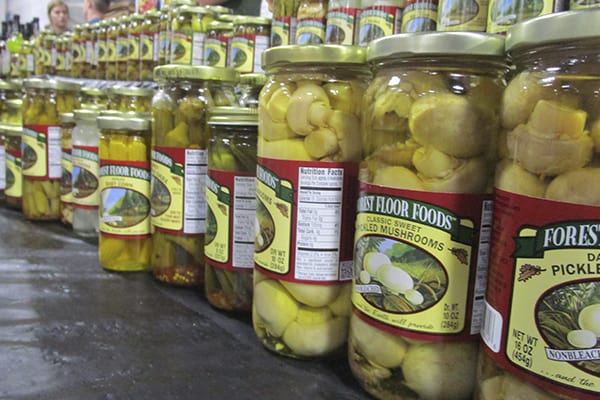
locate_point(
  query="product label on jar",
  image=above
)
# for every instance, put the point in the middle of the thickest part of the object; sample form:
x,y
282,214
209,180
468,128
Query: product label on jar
x,y
85,177
41,152
66,163
341,24
504,14
111,50
164,45
453,18
178,190
134,47
310,31
230,227
14,179
419,16
124,198
147,52
101,51
215,52
283,31
378,21
78,52
181,49
246,52
2,167
421,260
543,298
122,49
305,214
89,51
60,61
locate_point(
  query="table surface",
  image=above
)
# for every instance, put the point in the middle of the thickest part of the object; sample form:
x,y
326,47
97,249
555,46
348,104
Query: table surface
x,y
70,330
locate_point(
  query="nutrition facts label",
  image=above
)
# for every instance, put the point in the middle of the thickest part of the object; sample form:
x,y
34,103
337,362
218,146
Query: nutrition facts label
x,y
196,168
482,266
54,153
320,194
244,210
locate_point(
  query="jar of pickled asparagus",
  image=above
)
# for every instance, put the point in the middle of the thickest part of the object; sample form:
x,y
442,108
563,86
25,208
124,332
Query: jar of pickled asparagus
x,y
164,35
13,191
309,148
130,98
122,48
85,166
248,88
41,147
542,320
251,37
179,166
112,35
125,242
101,49
134,54
283,25
6,89
49,54
149,45
39,52
231,207
88,37
216,48
429,128
78,51
67,123
188,35
93,98
60,68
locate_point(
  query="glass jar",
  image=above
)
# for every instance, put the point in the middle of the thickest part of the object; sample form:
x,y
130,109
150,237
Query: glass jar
x,y
93,98
251,36
464,15
379,18
41,151
5,91
49,54
217,43
342,21
249,87
311,22
60,69
88,38
85,182
122,48
231,208
13,192
40,52
419,16
125,242
542,300
130,98
180,139
429,128
164,35
78,52
283,27
133,57
14,114
150,44
188,35
112,35
502,15
67,123
101,49
308,154
26,63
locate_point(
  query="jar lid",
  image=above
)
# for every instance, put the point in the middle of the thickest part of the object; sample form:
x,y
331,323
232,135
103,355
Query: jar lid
x,y
67,118
36,83
4,85
232,116
318,54
14,103
436,43
220,9
255,79
130,91
245,19
222,25
86,114
190,9
550,28
196,72
11,130
88,91
226,18
124,121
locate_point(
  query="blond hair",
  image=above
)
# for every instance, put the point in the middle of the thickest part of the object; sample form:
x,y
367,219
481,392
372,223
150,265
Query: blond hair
x,y
55,3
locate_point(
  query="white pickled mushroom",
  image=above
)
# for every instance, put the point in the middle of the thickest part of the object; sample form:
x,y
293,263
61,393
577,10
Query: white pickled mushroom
x,y
395,278
441,371
511,177
321,142
390,110
452,124
313,295
554,120
342,305
312,340
398,153
577,186
547,156
298,110
272,113
471,176
274,305
397,177
377,346
347,129
432,163
374,260
285,149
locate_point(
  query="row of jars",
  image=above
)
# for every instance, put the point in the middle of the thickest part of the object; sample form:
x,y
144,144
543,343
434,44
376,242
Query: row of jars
x,y
384,180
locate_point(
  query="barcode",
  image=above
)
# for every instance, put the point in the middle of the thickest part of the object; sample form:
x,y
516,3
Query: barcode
x,y
492,328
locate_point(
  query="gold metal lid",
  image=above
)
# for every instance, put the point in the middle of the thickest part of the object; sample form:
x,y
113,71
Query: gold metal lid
x,y
86,114
220,9
220,25
11,130
67,118
130,91
37,83
94,92
5,85
317,54
232,116
255,79
226,18
128,121
196,72
14,104
191,9
436,43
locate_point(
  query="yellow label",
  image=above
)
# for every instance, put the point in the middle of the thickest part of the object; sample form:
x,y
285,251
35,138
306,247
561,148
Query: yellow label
x,y
502,14
164,45
111,50
78,53
472,17
167,195
134,48
419,17
310,31
85,176
102,51
283,31
147,48
66,162
181,49
340,26
14,179
34,154
122,49
125,198
216,53
217,225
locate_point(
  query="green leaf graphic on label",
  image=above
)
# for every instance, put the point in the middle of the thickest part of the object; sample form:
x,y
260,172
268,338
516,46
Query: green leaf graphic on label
x,y
160,197
84,183
239,57
122,208
211,226
10,179
265,230
29,157
65,182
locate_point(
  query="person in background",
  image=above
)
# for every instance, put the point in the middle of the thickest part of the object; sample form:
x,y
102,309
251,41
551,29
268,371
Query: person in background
x,y
94,10
120,7
58,15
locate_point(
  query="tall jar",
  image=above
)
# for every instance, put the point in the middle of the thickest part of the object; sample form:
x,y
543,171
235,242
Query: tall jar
x,y
308,154
542,320
149,45
112,36
216,48
135,48
179,167
67,123
130,98
14,112
164,35
379,18
429,128
13,193
188,35
41,150
231,208
311,21
78,53
122,48
85,182
49,54
89,42
40,52
101,49
251,36
283,27
125,242
60,67
342,21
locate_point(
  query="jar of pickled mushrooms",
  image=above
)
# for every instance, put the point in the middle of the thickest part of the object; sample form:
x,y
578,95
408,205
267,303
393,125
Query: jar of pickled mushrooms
x,y
309,147
542,321
430,123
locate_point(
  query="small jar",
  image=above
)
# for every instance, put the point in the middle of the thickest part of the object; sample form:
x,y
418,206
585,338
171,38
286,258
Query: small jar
x,y
60,69
217,43
67,123
130,98
249,87
251,37
188,35
164,35
308,153
13,193
89,42
41,150
49,54
39,51
112,36
502,16
231,208
122,48
311,22
180,139
379,18
93,98
429,128
134,55
542,310
125,242
283,26
149,45
342,21
85,182
101,49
